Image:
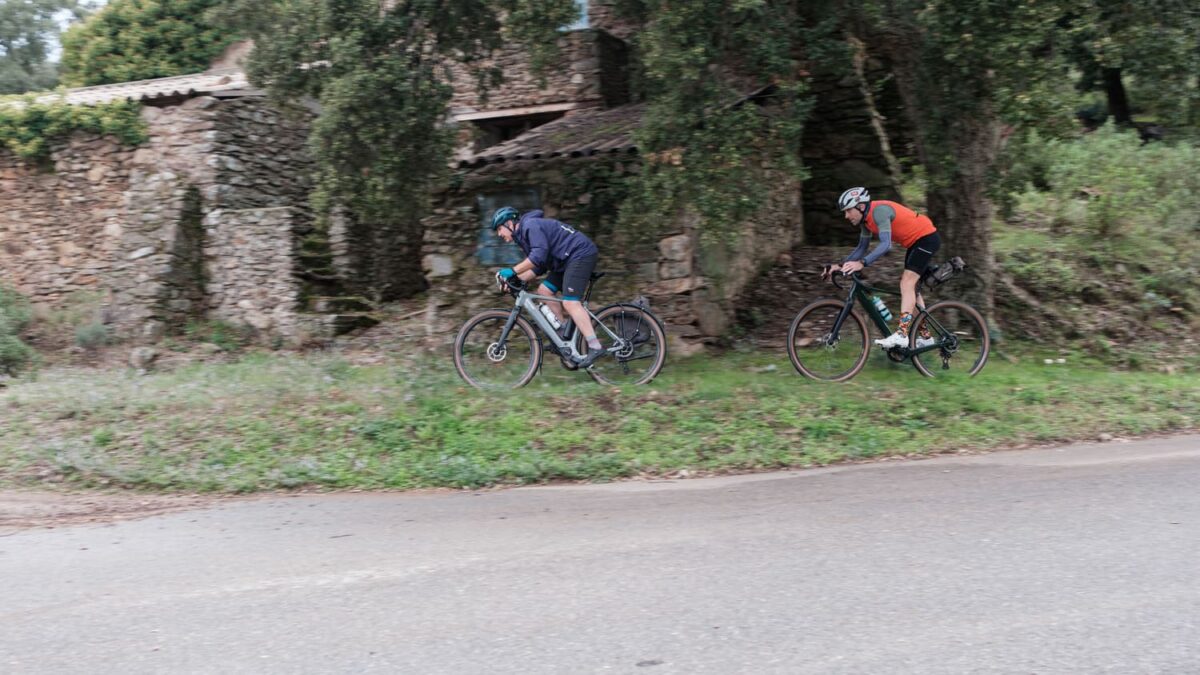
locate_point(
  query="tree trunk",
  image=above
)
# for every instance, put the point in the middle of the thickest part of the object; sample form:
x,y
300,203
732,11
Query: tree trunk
x,y
961,210
957,160
1118,103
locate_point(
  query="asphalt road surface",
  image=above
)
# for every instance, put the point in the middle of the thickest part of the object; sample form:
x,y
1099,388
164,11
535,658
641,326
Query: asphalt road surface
x,y
1073,560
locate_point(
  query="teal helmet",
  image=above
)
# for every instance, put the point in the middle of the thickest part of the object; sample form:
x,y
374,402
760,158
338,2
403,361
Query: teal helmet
x,y
503,215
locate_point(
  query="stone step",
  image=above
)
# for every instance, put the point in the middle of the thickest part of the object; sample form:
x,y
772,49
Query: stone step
x,y
320,274
316,259
314,243
335,304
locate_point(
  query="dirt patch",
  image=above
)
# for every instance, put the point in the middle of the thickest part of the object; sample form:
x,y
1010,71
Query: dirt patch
x,y
21,509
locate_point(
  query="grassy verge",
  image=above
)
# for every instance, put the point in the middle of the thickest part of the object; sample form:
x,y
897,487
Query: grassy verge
x,y
270,422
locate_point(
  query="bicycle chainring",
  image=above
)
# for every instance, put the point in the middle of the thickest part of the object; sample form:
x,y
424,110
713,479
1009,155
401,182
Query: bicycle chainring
x,y
625,351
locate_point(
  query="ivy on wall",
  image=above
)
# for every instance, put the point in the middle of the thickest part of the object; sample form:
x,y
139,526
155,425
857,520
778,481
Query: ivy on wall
x,y
28,128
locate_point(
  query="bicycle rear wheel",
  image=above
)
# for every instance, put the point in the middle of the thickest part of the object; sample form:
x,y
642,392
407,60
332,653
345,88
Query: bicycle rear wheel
x,y
645,349
483,363
962,338
817,353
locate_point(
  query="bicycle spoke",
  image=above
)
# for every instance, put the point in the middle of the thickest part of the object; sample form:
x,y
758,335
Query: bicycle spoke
x,y
641,340
820,354
486,363
961,339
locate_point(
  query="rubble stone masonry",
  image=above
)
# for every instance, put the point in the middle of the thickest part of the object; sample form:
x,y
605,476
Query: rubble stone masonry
x,y
139,226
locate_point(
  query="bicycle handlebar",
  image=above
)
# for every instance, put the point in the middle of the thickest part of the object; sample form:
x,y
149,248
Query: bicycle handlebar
x,y
511,286
833,278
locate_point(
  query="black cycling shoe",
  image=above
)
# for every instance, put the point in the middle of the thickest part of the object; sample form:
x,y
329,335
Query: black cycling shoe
x,y
591,357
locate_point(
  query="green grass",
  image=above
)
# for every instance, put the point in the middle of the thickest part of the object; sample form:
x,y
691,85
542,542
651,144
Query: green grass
x,y
274,422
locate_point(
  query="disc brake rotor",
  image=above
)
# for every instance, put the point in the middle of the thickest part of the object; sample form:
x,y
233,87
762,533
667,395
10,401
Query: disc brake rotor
x,y
496,353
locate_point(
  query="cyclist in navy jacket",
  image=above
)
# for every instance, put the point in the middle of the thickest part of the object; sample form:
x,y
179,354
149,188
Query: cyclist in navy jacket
x,y
565,255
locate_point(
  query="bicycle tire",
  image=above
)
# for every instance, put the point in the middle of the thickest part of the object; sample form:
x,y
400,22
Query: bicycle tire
x,y
826,310
648,336
978,335
523,337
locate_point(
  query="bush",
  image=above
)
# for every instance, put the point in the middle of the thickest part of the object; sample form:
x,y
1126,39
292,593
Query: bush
x,y
15,355
1129,203
224,335
92,335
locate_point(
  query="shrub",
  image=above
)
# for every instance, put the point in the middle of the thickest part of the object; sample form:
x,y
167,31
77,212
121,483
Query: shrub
x,y
224,335
92,335
15,355
1128,202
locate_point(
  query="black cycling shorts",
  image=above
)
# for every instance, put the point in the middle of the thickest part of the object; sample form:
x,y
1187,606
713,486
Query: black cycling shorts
x,y
573,279
921,253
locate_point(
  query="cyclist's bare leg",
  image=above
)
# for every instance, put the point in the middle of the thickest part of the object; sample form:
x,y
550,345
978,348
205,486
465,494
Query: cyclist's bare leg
x,y
908,292
554,306
908,298
581,318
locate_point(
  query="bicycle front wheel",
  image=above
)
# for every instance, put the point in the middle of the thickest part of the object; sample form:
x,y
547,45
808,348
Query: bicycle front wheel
x,y
483,362
817,353
645,349
961,337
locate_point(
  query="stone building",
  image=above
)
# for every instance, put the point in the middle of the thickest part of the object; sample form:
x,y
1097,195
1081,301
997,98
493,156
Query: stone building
x,y
574,168
567,146
208,219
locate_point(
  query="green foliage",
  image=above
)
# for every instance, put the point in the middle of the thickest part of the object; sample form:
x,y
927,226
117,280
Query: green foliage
x,y
1108,241
700,141
27,31
15,355
28,128
968,64
379,71
142,39
1153,42
92,335
224,335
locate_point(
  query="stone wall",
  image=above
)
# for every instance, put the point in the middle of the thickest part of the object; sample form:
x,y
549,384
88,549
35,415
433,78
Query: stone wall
x,y
700,279
603,15
251,256
129,224
691,285
590,68
843,147
459,284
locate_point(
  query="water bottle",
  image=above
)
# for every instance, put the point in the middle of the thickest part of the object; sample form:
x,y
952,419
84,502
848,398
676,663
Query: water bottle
x,y
883,310
546,312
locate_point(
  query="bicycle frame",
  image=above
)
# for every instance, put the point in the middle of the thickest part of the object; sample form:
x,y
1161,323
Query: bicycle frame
x,y
861,292
529,302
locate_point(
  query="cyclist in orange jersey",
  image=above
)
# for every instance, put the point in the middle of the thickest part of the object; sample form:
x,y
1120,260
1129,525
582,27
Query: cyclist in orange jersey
x,y
891,221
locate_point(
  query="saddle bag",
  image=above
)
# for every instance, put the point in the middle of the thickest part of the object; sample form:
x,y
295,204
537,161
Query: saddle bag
x,y
937,275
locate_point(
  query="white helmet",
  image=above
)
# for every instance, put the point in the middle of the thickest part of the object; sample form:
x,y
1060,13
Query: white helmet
x,y
853,197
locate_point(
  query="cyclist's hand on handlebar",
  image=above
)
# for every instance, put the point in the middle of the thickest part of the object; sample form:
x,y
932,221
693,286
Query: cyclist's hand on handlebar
x,y
828,271
852,267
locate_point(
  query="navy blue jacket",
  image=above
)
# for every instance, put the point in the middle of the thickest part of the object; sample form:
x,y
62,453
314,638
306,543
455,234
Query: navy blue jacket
x,y
549,244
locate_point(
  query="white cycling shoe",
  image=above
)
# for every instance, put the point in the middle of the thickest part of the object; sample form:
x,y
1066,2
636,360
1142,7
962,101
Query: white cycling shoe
x,y
923,342
892,341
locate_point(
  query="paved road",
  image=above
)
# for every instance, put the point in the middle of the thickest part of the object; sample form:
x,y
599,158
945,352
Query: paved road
x,y
1077,560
